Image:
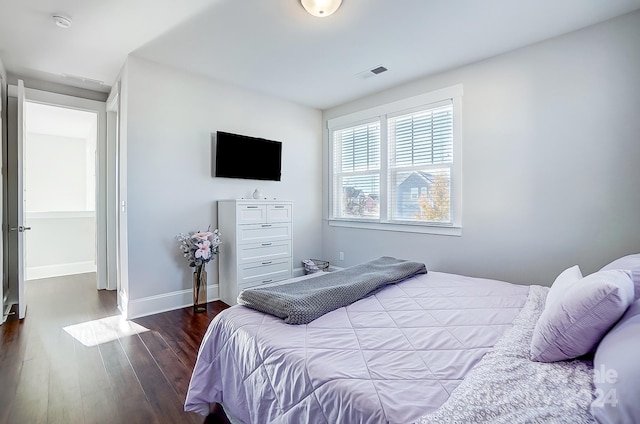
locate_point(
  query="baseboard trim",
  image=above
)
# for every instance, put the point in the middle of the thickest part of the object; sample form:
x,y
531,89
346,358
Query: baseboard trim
x,y
151,305
47,271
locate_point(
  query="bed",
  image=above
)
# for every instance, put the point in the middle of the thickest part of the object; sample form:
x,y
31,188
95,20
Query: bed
x,y
435,347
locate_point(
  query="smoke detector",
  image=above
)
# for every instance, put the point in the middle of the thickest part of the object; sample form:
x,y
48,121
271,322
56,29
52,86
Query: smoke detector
x,y
62,21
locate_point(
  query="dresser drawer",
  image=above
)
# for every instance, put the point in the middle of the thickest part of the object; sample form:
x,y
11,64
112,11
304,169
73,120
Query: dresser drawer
x,y
263,233
263,272
279,213
251,214
265,251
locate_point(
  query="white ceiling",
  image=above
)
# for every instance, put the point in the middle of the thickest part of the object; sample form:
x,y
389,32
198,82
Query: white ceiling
x,y
275,47
103,33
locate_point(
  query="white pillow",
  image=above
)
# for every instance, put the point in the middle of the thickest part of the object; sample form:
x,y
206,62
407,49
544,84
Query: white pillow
x,y
574,324
562,283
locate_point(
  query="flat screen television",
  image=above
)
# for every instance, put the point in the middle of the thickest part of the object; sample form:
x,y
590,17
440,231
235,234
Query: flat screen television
x,y
240,156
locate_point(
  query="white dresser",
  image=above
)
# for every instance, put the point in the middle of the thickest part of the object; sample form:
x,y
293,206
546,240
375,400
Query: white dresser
x,y
256,244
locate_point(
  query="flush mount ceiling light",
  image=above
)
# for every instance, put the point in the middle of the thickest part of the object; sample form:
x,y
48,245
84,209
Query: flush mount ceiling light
x,y
321,8
62,21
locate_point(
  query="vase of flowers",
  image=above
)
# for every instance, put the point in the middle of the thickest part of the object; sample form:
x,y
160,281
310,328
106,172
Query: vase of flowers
x,y
199,248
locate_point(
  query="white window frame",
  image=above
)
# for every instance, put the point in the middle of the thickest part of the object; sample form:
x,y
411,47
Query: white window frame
x,y
382,113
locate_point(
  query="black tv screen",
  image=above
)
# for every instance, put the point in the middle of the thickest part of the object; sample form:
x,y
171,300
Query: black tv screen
x,y
240,156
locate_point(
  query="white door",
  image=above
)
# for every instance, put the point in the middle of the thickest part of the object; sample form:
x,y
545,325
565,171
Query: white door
x,y
22,224
2,273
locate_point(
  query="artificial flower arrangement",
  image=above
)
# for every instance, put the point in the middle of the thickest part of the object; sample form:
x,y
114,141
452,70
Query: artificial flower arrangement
x,y
199,247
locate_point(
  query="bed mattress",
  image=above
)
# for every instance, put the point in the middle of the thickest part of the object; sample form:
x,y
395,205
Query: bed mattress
x,y
391,357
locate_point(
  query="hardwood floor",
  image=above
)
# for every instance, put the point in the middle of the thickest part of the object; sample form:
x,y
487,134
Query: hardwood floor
x,y
72,360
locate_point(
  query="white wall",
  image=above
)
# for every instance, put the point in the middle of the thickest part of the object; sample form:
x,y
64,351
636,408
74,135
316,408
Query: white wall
x,y
57,171
60,243
550,161
170,189
60,189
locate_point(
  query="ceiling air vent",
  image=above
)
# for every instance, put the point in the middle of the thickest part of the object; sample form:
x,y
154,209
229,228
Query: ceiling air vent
x,y
376,70
82,80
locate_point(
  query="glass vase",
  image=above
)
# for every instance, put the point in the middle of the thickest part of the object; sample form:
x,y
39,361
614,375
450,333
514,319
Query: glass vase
x,y
199,289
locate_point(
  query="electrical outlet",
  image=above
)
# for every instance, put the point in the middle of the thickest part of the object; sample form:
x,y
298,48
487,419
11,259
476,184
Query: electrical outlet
x,y
342,256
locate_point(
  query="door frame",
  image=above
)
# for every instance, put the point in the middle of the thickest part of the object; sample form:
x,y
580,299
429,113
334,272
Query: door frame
x,y
112,173
98,107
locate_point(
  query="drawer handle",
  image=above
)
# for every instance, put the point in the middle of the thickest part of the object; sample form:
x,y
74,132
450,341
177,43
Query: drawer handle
x,y
252,207
266,281
267,244
279,207
266,225
266,263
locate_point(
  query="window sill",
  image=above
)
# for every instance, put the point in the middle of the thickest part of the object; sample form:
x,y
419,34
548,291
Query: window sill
x,y
403,228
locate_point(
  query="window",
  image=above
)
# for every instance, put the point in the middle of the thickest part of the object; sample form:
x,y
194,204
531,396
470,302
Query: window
x,y
357,171
397,166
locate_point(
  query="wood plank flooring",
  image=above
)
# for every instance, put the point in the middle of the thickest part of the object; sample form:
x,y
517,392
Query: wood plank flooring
x,y
109,371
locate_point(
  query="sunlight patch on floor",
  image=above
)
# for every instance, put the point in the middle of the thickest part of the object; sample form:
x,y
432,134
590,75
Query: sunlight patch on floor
x,y
104,330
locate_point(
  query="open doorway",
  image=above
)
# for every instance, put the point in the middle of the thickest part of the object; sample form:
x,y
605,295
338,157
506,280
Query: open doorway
x,y
57,192
60,191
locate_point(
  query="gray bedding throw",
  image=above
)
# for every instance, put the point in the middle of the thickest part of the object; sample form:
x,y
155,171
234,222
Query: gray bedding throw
x,y
303,301
506,387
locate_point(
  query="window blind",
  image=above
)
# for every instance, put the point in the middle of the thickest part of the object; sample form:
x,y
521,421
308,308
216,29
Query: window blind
x,y
420,165
356,171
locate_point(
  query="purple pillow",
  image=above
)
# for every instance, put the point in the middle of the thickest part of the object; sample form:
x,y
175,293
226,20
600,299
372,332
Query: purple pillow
x,y
617,372
630,263
575,324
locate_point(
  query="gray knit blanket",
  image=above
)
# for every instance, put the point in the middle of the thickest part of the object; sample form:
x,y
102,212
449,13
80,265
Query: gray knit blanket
x,y
303,301
506,387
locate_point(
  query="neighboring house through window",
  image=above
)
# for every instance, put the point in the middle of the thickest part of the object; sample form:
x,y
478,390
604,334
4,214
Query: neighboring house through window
x,y
397,166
